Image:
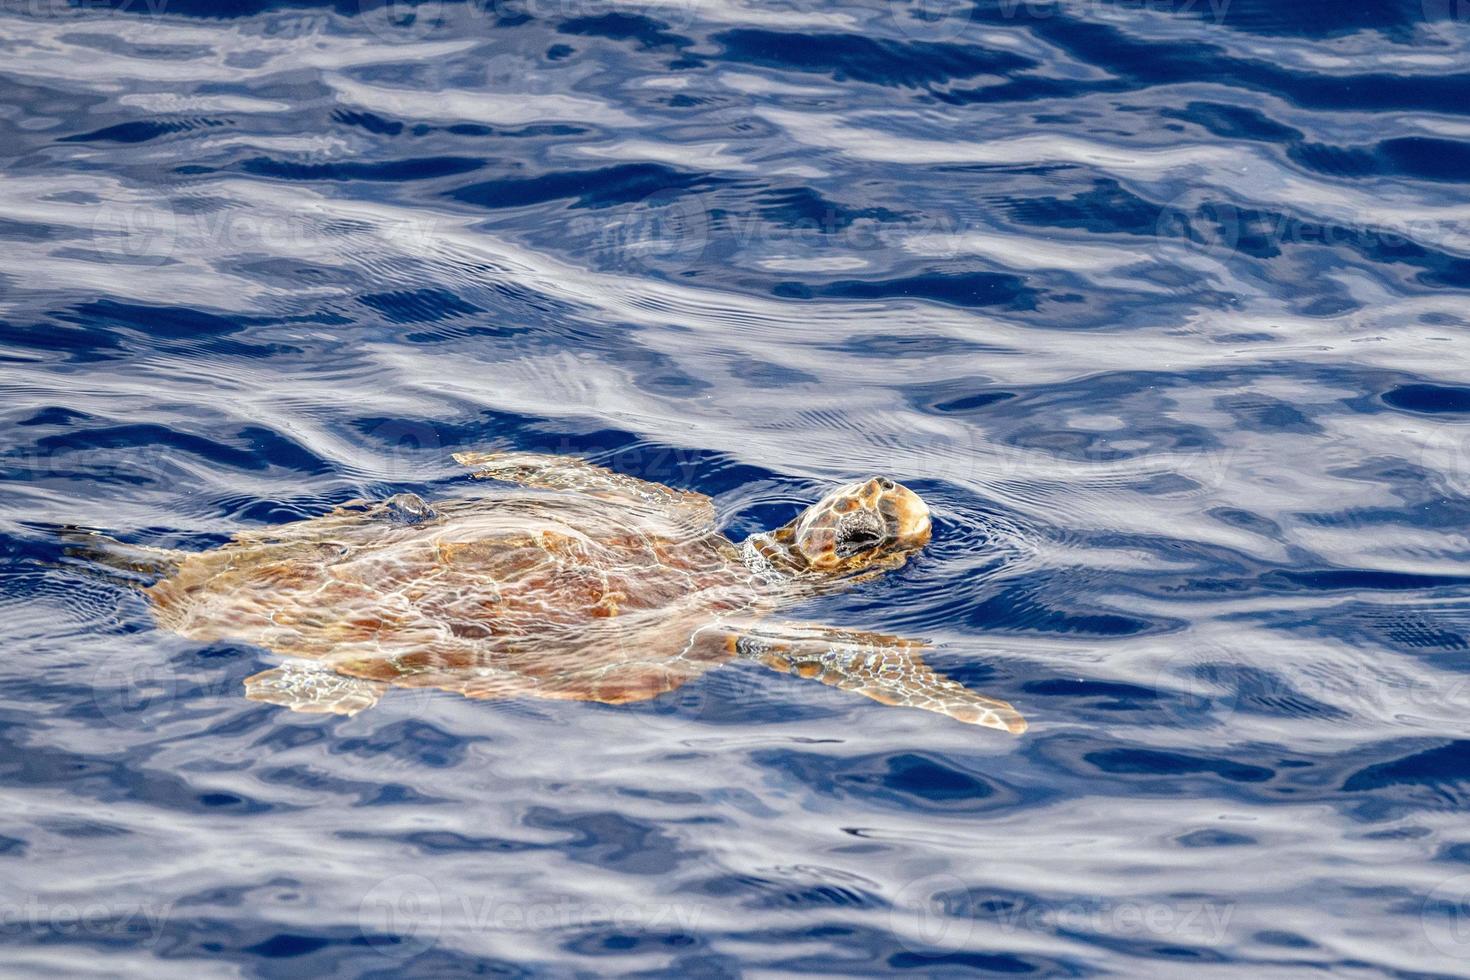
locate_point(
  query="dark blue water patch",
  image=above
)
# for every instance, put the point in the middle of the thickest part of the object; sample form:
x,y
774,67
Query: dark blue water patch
x,y
285,945
1444,765
414,743
398,171
78,342
140,131
1284,939
532,131
459,333
611,840
768,374
804,207
791,890
984,964
972,290
1153,762
1246,521
684,953
110,779
1261,413
1454,853
165,322
1427,399
971,403
1023,607
1421,501
649,33
1352,579
698,469
1234,122
375,792
866,59
601,188
56,415
856,949
1128,63
431,842
26,231
1419,157
1098,695
419,305
369,121
1105,208
914,781
243,452
1214,838
886,345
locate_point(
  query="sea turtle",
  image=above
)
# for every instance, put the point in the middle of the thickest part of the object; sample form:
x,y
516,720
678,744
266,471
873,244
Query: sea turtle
x,y
579,583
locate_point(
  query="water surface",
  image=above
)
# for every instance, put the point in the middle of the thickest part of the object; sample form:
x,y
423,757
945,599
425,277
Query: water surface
x,y
1162,308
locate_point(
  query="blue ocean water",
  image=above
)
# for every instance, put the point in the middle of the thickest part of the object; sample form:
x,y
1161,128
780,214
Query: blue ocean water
x,y
1160,305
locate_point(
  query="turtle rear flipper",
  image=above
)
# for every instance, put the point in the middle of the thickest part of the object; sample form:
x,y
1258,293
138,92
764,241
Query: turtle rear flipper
x,y
102,552
887,669
313,688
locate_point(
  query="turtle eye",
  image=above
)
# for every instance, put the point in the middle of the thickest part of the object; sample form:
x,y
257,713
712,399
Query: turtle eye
x,y
858,539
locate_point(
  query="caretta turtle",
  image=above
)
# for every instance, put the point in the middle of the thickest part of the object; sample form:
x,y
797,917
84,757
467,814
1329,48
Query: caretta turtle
x,y
576,583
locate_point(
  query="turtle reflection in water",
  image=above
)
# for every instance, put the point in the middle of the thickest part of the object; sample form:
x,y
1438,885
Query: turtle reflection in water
x,y
607,588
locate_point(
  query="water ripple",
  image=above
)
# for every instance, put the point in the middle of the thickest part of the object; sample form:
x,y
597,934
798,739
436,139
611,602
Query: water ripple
x,y
1160,307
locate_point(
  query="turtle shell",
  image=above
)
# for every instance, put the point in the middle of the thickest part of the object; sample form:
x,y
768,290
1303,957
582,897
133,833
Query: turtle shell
x,y
512,593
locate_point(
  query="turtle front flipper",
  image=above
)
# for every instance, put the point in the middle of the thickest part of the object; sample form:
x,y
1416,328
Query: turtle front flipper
x,y
313,688
887,669
570,473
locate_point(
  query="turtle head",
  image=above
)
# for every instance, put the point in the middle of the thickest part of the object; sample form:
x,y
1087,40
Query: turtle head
x,y
862,527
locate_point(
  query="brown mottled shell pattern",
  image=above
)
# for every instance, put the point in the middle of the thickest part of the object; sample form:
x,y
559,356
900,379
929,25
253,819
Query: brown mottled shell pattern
x,y
500,595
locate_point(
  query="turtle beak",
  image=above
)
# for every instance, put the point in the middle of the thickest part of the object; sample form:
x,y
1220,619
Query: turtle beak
x,y
908,515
